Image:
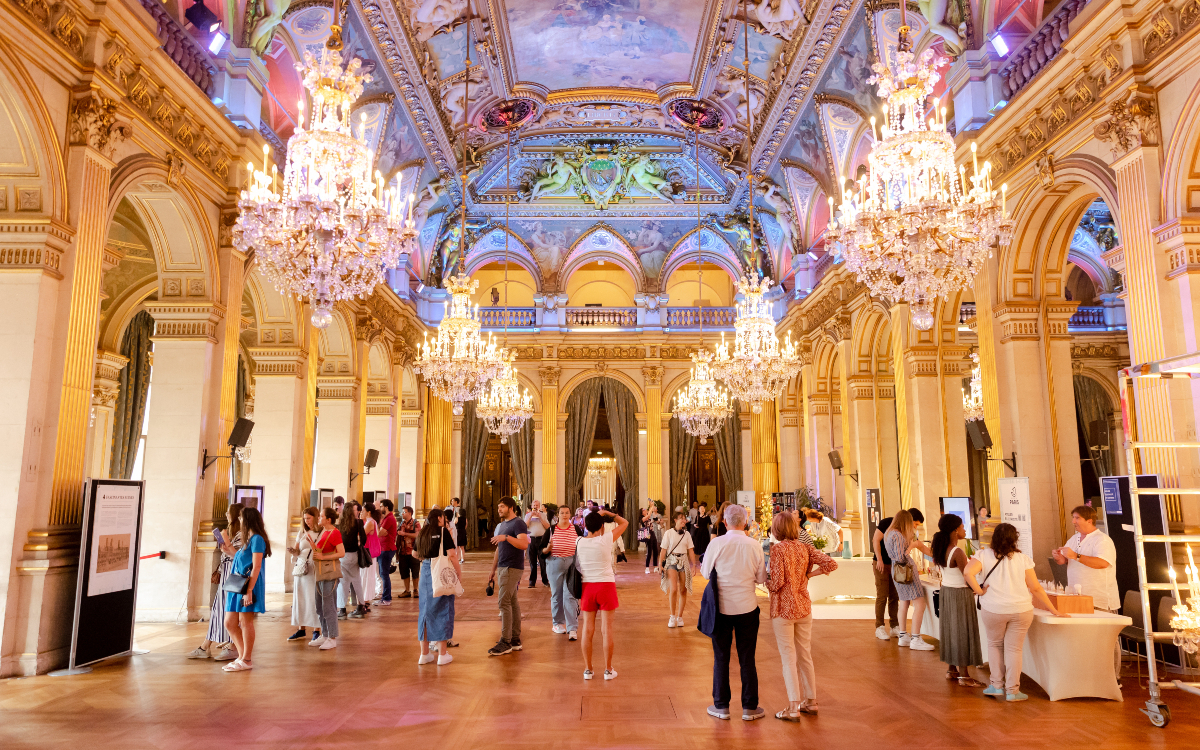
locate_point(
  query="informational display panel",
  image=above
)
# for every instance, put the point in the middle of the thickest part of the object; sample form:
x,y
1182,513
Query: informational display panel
x,y
1014,509
745,498
964,509
106,590
249,495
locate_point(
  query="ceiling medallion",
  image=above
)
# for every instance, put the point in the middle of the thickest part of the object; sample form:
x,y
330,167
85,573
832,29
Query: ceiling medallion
x,y
507,115
912,230
329,231
696,114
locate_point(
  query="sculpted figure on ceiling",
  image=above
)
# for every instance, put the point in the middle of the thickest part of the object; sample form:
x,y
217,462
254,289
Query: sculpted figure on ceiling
x,y
646,173
947,19
428,17
600,174
262,18
781,18
455,95
736,228
558,173
784,216
731,89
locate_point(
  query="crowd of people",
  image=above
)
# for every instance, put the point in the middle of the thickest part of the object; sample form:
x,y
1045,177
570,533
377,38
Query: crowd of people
x,y
344,557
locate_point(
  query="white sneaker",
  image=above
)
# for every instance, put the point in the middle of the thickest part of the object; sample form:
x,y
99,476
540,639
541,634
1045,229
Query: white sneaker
x,y
882,633
905,639
559,629
671,621
445,659
426,659
610,674
917,643
896,630
572,636
647,571
587,674
330,643
317,641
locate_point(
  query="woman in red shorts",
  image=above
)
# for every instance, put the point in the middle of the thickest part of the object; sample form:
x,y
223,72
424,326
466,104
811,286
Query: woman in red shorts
x,y
594,558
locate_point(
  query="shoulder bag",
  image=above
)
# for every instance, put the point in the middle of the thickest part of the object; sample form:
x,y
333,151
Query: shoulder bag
x,y
327,570
902,572
710,604
304,562
978,599
573,577
444,580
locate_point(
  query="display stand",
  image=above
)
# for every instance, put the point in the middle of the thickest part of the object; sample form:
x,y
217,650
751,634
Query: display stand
x,y
1181,367
106,587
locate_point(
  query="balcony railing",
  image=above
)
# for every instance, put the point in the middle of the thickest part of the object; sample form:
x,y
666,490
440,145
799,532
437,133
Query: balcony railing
x,y
966,311
601,317
1040,49
516,317
1088,318
181,47
690,317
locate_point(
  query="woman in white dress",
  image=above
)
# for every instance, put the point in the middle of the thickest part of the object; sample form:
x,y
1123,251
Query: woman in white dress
x,y
304,587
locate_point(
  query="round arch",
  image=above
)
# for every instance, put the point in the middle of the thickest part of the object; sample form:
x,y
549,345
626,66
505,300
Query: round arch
x,y
721,256
672,387
583,252
116,319
535,391
30,114
271,307
483,252
1182,162
615,374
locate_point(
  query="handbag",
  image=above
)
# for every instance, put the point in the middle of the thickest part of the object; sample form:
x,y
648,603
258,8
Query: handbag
x,y
236,583
573,578
327,570
902,572
303,565
710,604
978,599
444,580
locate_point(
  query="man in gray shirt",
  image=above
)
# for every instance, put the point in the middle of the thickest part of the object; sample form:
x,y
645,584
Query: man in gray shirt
x,y
511,540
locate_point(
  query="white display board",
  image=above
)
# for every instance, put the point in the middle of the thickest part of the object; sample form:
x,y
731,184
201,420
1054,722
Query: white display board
x,y
745,498
1014,509
114,531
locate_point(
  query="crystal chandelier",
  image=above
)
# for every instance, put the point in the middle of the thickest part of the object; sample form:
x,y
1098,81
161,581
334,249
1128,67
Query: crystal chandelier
x,y
912,229
701,407
973,403
1186,622
458,364
759,368
503,408
330,231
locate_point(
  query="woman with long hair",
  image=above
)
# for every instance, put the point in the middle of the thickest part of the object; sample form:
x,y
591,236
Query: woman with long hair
x,y
241,609
702,531
231,542
371,518
899,540
304,578
676,560
354,538
648,534
1006,596
435,615
792,564
958,625
328,547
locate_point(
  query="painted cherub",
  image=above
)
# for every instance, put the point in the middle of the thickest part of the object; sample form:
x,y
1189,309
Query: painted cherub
x,y
644,172
559,174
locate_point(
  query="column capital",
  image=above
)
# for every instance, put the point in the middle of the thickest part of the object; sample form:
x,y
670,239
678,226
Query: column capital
x,y
1130,122
653,374
922,362
1018,322
279,361
549,375
92,122
862,387
1058,314
339,389
185,321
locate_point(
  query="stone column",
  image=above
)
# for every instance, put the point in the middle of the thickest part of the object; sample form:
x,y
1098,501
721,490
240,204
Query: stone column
x,y
178,500
549,375
335,429
652,375
280,399
886,434
790,463
862,451
225,376
105,388
1180,240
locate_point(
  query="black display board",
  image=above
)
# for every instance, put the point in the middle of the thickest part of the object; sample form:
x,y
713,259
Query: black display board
x,y
108,559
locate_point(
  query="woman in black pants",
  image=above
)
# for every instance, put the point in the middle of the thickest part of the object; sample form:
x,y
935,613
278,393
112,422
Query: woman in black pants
x,y
648,537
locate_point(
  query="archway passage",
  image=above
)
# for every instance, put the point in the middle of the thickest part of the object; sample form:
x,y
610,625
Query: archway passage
x,y
607,489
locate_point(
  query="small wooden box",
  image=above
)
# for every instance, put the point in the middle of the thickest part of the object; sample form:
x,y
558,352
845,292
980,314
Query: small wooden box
x,y
1072,604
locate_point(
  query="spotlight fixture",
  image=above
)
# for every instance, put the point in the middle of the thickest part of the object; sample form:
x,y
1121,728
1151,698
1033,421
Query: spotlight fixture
x,y
202,18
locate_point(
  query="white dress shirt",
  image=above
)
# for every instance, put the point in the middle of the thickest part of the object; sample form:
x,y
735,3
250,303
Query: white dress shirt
x,y
738,560
1100,584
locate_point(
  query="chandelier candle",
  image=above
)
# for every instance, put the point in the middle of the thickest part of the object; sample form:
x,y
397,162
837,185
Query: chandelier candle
x,y
458,364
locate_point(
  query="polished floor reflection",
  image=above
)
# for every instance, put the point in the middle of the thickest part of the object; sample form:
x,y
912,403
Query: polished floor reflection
x,y
370,692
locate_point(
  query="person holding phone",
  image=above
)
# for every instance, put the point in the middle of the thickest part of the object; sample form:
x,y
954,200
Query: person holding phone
x,y
304,585
677,559
228,544
594,558
241,609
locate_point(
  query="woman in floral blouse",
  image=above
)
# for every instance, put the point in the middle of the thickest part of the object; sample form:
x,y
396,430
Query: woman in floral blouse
x,y
792,564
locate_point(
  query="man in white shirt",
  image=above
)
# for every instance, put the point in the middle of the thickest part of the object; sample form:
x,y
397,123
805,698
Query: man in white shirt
x,y
538,524
1091,560
738,561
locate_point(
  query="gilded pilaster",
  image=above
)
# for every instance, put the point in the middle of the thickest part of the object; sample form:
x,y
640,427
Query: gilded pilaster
x,y
439,428
652,375
765,450
233,277
549,376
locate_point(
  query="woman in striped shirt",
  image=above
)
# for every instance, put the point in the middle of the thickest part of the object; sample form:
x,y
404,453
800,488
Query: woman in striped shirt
x,y
559,553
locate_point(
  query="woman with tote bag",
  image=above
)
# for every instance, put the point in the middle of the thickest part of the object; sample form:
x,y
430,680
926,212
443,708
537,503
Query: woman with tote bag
x,y
327,553
435,618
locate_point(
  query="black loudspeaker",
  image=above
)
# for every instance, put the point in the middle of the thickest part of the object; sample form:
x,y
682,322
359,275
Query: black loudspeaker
x,y
241,433
371,458
1098,436
978,432
203,19
835,460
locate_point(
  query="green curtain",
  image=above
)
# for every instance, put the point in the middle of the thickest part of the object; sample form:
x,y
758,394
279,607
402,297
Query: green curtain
x,y
621,410
680,447
130,410
728,442
582,408
474,449
1092,404
520,448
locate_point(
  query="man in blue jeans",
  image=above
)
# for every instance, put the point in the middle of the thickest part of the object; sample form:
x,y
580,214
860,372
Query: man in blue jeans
x,y
387,543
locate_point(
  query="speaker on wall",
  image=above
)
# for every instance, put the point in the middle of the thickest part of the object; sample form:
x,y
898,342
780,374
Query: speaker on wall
x,y
1098,435
835,460
371,458
978,432
241,433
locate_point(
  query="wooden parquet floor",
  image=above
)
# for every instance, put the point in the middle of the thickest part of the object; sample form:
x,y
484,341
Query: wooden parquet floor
x,y
369,692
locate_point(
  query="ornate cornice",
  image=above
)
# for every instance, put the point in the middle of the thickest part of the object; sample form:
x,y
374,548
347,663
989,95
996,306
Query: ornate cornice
x,y
652,374
279,361
184,321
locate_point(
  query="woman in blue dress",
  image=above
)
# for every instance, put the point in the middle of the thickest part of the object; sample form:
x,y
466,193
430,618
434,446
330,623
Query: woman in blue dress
x,y
435,620
241,609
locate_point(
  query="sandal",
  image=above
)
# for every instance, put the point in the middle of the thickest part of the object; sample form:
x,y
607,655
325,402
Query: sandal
x,y
786,715
238,666
953,675
970,682
809,708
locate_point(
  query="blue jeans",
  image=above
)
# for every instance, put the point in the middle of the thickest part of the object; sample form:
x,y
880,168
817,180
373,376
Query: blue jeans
x,y
385,573
564,609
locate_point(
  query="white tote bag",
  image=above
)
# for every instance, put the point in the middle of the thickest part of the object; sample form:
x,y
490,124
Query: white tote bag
x,y
445,581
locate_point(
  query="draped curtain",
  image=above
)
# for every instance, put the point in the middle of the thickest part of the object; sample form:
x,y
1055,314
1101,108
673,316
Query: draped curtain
x,y
582,407
621,410
474,448
1092,404
680,447
728,441
130,410
240,475
520,448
